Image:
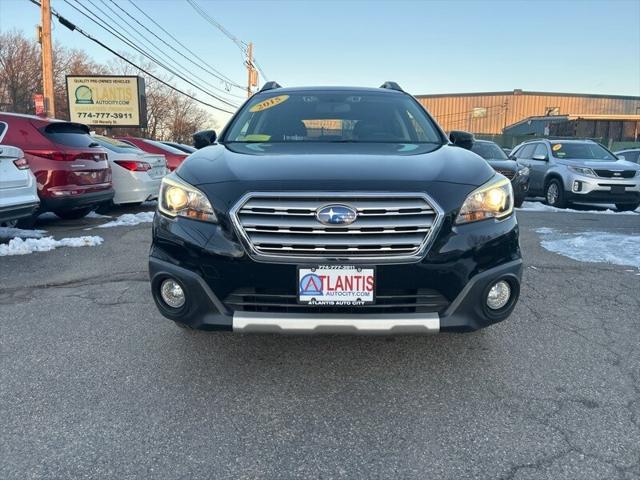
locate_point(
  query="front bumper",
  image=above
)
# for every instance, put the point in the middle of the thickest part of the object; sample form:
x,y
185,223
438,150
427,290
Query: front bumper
x,y
582,188
211,265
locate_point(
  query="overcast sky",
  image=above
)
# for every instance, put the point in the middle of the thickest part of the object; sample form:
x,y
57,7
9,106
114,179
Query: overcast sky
x,y
426,46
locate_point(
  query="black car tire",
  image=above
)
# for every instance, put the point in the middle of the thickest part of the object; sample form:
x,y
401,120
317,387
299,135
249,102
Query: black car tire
x,y
27,223
73,214
518,201
554,194
105,207
626,207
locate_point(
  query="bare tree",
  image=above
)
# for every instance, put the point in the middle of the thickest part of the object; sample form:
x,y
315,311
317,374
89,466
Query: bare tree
x,y
70,62
170,115
20,72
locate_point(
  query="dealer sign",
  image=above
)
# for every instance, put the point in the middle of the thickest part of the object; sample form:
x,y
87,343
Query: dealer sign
x,y
107,101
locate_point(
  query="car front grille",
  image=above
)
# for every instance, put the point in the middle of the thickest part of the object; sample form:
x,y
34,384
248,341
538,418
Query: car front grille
x,y
507,173
615,174
387,301
388,227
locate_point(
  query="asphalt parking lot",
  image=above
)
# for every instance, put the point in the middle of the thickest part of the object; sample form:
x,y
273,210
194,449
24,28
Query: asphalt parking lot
x,y
94,383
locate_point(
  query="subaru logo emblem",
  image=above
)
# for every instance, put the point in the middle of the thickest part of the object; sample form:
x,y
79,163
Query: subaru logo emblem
x,y
336,215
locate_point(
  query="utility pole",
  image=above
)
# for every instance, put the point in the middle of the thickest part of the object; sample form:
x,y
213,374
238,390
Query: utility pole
x,y
47,58
251,71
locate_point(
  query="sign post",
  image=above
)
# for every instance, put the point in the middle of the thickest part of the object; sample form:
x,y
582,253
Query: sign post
x,y
107,101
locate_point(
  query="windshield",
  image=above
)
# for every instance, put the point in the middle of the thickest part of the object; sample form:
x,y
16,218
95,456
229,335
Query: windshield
x,y
116,145
333,117
582,151
489,151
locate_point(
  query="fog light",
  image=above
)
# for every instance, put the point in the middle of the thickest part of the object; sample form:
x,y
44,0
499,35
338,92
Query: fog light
x,y
172,293
499,295
577,186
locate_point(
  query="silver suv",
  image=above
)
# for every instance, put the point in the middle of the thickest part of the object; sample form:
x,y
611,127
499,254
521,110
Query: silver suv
x,y
565,171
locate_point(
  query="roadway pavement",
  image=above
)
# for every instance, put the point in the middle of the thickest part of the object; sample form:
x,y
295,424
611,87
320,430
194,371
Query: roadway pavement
x,y
94,383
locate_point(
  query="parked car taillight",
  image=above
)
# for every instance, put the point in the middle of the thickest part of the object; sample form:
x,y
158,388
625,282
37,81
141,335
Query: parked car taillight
x,y
68,157
134,166
21,164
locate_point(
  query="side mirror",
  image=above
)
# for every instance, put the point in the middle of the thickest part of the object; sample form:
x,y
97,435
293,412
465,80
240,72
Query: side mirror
x,y
620,157
204,138
461,139
542,158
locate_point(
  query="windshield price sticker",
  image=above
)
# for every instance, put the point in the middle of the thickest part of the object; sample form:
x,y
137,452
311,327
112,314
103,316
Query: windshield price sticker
x,y
336,285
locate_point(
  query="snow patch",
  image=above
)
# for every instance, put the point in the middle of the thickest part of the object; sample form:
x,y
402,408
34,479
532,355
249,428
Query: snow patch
x,y
10,232
97,215
593,247
543,207
19,246
129,220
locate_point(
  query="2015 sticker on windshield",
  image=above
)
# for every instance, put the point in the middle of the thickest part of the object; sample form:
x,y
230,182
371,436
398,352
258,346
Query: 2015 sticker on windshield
x,y
268,103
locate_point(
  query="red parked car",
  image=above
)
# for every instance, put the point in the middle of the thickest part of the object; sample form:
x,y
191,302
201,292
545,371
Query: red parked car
x,y
71,170
174,156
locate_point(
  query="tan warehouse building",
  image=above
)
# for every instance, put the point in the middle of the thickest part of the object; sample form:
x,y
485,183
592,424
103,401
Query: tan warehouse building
x,y
490,112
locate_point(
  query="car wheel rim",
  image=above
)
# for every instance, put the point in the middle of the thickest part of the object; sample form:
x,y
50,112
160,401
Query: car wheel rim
x,y
552,194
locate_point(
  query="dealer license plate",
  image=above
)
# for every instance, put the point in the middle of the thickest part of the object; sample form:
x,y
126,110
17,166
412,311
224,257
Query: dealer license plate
x,y
336,285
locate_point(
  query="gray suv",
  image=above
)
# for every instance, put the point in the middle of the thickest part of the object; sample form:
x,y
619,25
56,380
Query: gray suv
x,y
565,171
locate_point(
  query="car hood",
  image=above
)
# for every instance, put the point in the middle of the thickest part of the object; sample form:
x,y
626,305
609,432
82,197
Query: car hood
x,y
337,163
617,165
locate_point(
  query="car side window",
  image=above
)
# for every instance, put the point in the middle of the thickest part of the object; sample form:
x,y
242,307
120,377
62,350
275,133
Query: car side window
x,y
541,150
631,156
527,151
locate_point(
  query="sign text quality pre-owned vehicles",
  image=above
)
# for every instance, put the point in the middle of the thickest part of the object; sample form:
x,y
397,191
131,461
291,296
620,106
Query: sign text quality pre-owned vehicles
x,y
107,100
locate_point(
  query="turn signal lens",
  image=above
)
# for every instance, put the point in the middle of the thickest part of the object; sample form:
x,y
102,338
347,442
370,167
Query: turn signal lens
x,y
178,198
492,200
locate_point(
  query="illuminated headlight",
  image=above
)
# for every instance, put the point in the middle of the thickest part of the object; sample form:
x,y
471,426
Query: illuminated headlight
x,y
492,200
523,171
178,198
583,171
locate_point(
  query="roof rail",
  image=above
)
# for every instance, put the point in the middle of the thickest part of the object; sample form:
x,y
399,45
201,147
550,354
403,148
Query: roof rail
x,y
392,86
270,86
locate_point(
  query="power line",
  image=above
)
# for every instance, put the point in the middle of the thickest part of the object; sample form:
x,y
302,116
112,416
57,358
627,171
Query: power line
x,y
167,58
105,26
71,26
240,44
210,69
176,50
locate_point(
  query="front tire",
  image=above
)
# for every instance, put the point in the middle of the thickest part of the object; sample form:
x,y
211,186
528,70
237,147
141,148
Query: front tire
x,y
626,207
73,214
105,207
554,194
518,201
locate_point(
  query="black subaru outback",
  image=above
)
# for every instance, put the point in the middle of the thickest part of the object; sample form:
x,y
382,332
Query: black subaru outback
x,y
335,210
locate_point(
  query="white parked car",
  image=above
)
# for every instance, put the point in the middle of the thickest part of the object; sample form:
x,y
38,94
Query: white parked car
x,y
18,190
136,174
